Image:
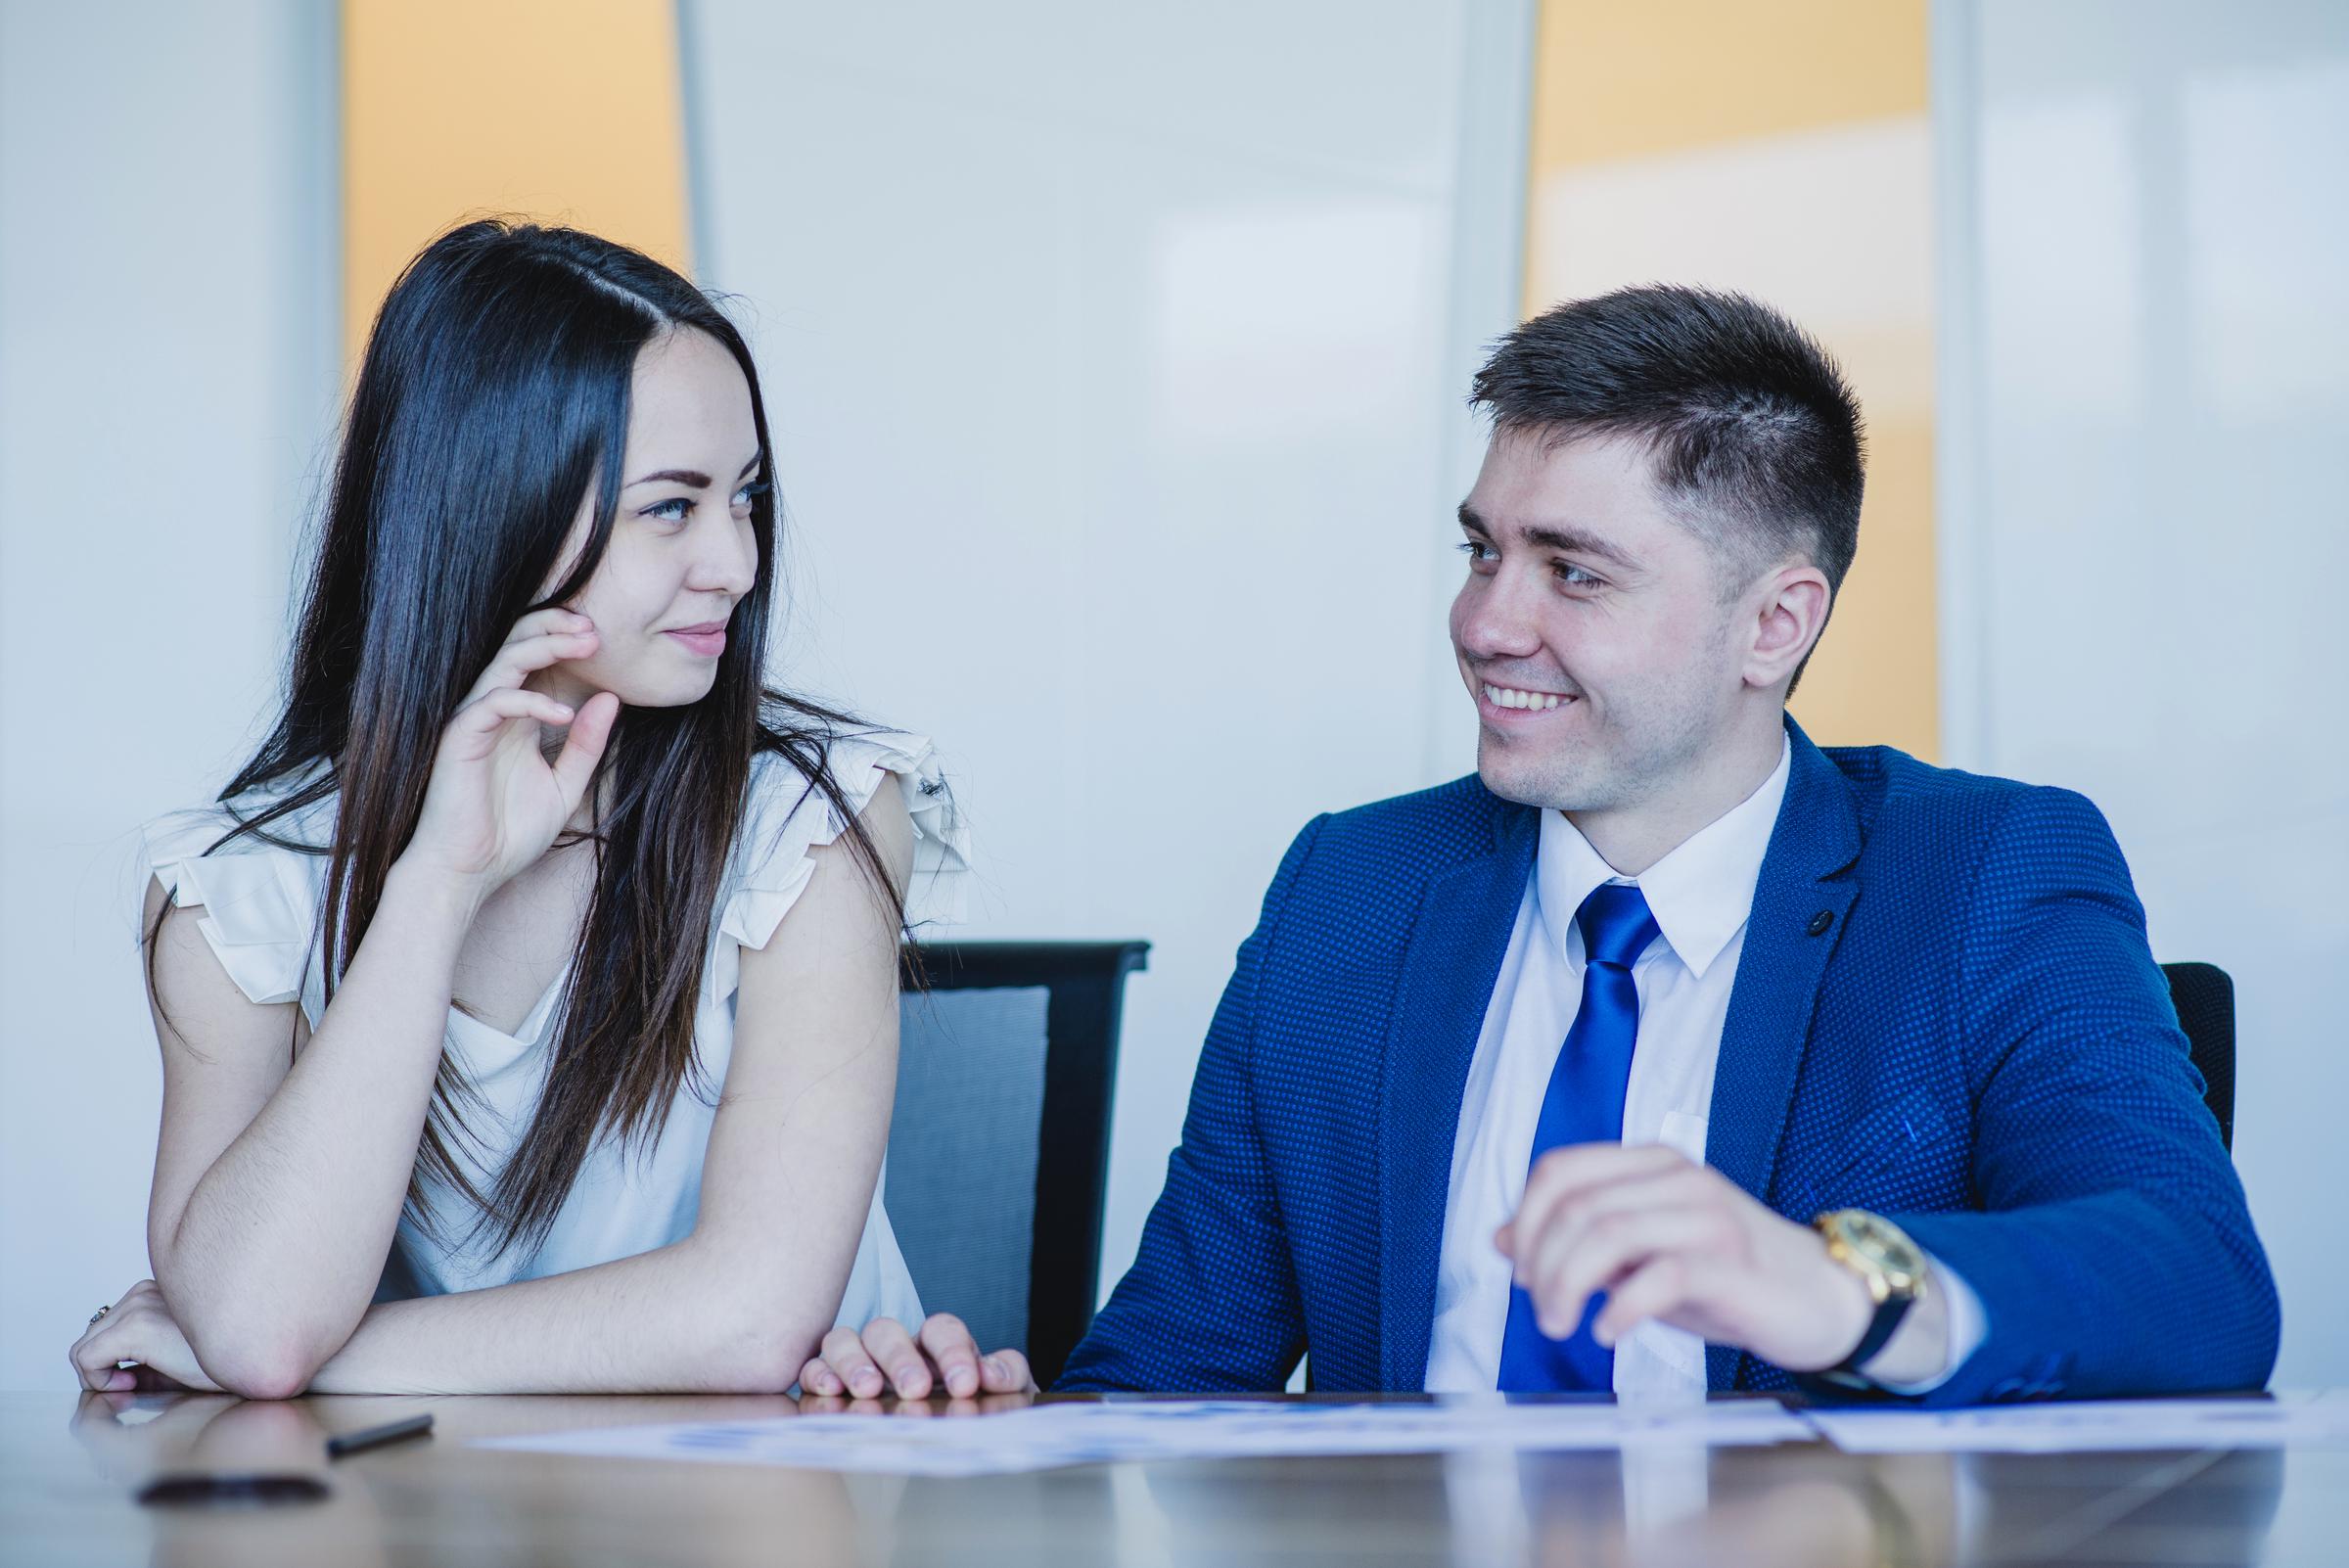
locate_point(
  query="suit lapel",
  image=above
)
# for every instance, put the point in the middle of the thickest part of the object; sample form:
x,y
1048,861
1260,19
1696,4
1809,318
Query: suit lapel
x,y
1457,943
1777,989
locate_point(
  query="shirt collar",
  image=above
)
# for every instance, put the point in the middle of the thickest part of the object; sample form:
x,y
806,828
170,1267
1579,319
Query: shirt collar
x,y
1700,893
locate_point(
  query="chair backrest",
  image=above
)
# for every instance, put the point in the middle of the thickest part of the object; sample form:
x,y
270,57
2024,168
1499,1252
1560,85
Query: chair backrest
x,y
2204,998
999,1152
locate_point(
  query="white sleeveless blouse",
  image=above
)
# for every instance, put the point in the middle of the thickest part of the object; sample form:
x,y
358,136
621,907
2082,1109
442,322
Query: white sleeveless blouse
x,y
262,905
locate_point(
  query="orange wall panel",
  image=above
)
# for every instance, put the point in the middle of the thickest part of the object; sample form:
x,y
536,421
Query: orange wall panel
x,y
568,110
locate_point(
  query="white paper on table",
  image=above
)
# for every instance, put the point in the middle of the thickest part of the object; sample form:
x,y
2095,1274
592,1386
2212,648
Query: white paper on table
x,y
2289,1419
1048,1436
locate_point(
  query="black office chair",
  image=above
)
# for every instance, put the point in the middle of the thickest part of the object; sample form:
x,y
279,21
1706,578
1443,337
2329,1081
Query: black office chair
x,y
998,1153
2204,998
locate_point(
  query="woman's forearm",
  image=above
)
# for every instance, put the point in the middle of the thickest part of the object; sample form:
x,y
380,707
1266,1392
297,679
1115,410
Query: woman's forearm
x,y
278,1249
684,1317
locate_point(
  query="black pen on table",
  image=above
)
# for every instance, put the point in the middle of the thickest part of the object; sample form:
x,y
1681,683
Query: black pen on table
x,y
377,1436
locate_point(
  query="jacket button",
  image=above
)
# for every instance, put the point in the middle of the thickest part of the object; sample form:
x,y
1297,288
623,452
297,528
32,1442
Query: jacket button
x,y
1819,922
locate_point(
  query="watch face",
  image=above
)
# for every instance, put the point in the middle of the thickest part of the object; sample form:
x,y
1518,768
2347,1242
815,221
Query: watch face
x,y
1882,1243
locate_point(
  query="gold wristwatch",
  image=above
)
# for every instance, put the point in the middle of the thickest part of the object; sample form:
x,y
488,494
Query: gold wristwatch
x,y
1894,1270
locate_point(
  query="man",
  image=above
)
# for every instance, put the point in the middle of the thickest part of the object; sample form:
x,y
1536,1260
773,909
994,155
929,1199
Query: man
x,y
1671,1052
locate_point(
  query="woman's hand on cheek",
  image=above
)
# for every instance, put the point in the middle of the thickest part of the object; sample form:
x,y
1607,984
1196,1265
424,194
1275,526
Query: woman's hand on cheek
x,y
494,803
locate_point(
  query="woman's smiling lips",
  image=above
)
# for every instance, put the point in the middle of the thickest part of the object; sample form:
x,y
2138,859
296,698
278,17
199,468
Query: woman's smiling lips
x,y
707,640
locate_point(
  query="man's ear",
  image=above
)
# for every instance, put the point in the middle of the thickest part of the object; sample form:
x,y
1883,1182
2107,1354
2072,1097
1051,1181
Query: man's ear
x,y
1789,609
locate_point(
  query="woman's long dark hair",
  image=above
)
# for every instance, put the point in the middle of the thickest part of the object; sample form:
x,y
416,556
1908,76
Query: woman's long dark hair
x,y
494,392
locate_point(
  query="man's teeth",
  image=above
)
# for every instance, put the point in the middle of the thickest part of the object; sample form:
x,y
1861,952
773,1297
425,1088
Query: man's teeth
x,y
1505,697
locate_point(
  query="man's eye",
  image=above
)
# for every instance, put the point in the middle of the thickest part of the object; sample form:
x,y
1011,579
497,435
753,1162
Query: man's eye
x,y
1476,551
1574,576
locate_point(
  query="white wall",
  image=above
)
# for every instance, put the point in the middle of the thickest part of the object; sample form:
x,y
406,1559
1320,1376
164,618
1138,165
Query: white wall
x,y
167,374
2146,388
1115,357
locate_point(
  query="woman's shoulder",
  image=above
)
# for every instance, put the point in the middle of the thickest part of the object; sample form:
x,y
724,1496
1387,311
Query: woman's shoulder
x,y
269,820
256,874
787,815
857,761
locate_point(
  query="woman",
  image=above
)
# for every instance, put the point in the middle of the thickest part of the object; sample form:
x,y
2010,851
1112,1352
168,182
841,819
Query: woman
x,y
527,1004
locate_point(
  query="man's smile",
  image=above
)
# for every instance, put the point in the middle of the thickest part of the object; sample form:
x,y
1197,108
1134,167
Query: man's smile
x,y
1517,698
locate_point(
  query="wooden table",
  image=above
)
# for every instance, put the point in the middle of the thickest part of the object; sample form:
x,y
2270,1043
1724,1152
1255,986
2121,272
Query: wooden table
x,y
69,1466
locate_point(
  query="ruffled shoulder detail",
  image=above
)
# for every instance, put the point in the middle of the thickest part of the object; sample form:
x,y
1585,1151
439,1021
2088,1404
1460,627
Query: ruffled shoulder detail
x,y
260,900
786,818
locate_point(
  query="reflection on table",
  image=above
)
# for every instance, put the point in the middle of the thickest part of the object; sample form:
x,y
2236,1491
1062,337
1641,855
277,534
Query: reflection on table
x,y
70,1469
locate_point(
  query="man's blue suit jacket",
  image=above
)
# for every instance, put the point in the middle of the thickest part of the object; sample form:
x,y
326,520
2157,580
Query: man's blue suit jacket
x,y
1946,1011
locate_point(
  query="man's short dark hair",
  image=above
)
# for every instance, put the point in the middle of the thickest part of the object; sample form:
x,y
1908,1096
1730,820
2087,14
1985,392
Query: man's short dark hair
x,y
1754,433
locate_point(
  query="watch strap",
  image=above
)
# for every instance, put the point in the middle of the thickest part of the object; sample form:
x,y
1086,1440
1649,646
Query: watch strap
x,y
1881,1327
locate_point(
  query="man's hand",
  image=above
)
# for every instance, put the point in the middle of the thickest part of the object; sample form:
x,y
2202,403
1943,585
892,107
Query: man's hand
x,y
885,1358
1679,1242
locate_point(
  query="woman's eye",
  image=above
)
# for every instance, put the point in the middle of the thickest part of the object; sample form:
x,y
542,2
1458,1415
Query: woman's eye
x,y
752,492
677,509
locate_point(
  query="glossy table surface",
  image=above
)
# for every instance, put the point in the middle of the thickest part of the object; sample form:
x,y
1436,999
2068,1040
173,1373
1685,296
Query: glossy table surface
x,y
70,1466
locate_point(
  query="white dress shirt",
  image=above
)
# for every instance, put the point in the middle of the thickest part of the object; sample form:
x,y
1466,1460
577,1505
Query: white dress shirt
x,y
1700,894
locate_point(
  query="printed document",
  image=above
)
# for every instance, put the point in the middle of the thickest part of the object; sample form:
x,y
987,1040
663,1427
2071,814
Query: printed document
x,y
2301,1419
1046,1436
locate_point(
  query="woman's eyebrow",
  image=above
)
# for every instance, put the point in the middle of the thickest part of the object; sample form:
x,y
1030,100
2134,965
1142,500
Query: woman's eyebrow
x,y
694,478
687,475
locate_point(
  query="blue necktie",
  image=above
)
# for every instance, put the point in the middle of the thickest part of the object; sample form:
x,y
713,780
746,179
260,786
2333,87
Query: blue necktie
x,y
1585,1105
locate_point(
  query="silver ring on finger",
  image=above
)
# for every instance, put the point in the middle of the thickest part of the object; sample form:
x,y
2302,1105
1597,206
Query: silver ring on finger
x,y
101,1311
